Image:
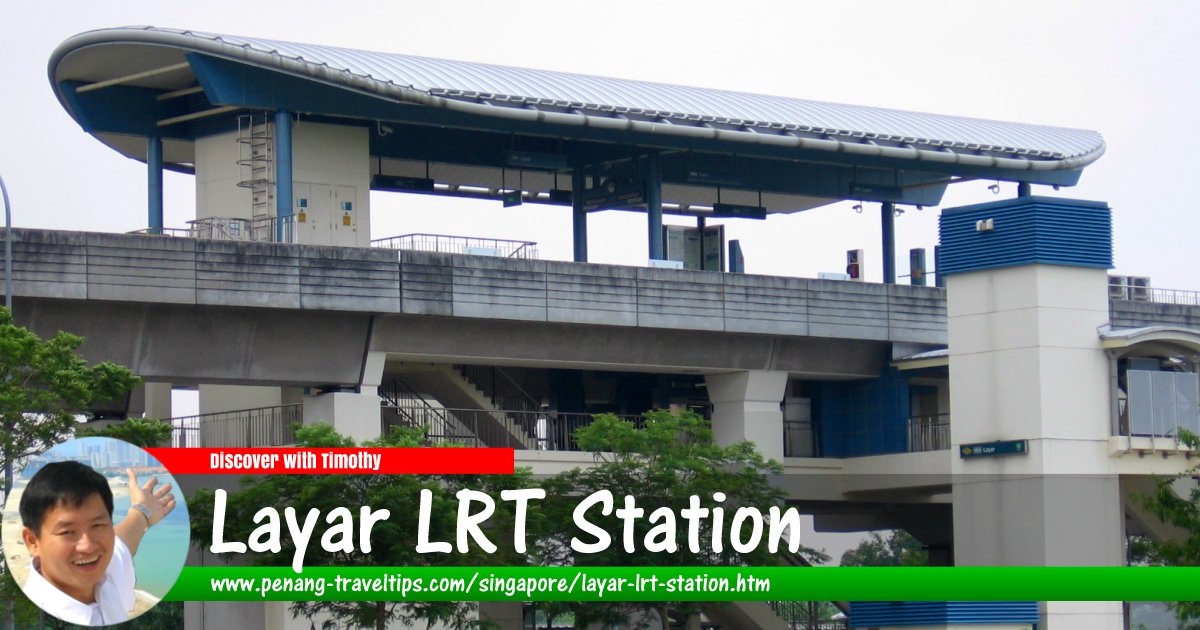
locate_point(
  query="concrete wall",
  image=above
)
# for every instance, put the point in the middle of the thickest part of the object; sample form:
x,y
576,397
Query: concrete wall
x,y
148,269
332,162
1129,314
1027,363
220,398
217,176
550,291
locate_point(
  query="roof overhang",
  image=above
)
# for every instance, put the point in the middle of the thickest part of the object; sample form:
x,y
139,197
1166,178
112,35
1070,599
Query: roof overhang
x,y
125,84
1177,337
930,359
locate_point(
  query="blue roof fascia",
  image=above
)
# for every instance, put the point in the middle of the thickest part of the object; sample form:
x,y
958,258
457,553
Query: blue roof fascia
x,y
116,109
228,82
771,176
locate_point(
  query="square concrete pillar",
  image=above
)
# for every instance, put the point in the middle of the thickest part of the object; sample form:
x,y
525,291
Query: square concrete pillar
x,y
747,406
351,414
158,400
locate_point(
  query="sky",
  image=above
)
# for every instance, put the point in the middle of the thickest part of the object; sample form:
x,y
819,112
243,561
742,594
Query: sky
x,y
1127,70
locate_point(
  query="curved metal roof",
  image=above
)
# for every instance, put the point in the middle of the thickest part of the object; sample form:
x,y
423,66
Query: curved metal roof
x,y
566,98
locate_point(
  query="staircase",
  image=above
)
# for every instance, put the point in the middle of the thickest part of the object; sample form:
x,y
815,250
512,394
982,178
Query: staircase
x,y
471,402
1133,488
403,406
778,615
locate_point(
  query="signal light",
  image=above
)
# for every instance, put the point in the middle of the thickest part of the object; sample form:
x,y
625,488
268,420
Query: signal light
x,y
916,266
854,259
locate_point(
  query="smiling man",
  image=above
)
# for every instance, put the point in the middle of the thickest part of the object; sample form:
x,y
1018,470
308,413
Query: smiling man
x,y
82,561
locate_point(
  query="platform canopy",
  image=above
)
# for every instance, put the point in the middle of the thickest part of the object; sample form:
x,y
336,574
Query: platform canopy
x,y
480,130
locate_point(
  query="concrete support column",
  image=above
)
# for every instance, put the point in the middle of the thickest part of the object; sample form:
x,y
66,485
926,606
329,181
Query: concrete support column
x,y
221,398
353,414
887,215
283,176
506,615
654,206
579,215
154,184
158,400
1028,365
746,406
1023,307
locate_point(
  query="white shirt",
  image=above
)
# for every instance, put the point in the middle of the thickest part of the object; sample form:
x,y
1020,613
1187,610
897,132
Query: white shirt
x,y
114,596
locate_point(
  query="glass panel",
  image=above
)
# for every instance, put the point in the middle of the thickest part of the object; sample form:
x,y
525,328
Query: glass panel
x,y
1141,402
1162,388
1187,401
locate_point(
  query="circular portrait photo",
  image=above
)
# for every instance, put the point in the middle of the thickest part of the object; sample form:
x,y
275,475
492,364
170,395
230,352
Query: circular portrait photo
x,y
95,531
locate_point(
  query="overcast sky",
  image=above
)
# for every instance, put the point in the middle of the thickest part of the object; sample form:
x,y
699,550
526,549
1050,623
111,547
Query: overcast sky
x,y
1126,70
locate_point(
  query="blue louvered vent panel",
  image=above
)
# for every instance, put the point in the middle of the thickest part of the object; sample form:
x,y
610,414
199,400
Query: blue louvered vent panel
x,y
1026,231
897,614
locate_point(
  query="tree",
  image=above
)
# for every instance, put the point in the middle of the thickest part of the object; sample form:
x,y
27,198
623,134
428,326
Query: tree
x,y
44,385
1182,512
662,464
393,540
897,549
140,432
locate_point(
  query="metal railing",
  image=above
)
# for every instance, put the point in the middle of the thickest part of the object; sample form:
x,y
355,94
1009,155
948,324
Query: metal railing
x,y
929,433
800,439
807,616
260,230
919,434
185,432
1155,295
244,428
470,245
504,391
165,231
549,430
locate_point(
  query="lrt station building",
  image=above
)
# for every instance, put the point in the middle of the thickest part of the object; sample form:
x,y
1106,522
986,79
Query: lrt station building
x,y
1005,416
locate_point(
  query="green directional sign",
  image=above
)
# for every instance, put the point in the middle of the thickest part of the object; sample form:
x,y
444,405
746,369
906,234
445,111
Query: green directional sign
x,y
994,449
512,198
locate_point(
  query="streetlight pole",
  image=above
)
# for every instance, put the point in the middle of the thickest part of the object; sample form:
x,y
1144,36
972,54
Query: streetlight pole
x,y
7,304
7,248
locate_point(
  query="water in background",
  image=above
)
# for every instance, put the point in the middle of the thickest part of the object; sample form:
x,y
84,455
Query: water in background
x,y
163,549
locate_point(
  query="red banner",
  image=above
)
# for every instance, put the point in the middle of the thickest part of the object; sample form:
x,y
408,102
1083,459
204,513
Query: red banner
x,y
335,461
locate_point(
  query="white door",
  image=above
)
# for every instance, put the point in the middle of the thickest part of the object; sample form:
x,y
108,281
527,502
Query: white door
x,y
344,218
312,213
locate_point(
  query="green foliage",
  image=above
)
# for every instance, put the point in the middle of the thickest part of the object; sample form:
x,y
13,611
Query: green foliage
x,y
392,540
142,432
24,612
44,385
1182,512
662,464
897,549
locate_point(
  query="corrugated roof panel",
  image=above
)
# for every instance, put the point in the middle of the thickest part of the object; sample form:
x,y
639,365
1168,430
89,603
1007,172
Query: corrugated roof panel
x,y
434,76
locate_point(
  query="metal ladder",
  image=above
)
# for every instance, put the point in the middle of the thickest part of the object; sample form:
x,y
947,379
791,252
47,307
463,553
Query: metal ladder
x,y
256,157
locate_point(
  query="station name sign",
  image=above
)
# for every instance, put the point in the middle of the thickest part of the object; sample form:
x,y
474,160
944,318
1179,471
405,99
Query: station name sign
x,y
994,449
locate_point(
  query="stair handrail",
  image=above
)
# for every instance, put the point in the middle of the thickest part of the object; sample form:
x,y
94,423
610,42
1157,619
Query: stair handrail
x,y
513,398
390,398
797,560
